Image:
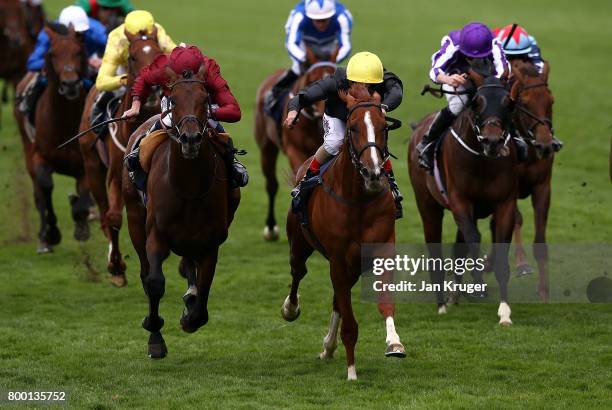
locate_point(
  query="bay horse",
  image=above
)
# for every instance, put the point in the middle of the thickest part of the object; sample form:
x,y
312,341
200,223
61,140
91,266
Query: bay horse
x,y
298,143
353,207
58,114
190,207
477,168
103,157
533,120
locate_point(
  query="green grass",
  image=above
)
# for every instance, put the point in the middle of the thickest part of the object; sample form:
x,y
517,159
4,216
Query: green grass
x,y
63,327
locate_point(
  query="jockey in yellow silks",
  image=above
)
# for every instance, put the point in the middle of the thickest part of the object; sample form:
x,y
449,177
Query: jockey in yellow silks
x,y
112,75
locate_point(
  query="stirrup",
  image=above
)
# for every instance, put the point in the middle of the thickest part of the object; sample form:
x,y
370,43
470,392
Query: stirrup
x,y
241,176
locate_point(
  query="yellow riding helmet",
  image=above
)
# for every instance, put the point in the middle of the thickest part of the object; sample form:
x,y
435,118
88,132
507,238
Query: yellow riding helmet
x,y
365,67
139,20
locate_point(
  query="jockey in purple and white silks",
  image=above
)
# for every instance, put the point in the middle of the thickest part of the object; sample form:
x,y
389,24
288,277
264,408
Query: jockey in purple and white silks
x,y
459,50
323,26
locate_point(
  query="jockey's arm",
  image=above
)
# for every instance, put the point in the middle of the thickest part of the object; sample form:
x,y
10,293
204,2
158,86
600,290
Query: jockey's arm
x,y
394,91
294,37
36,61
96,35
107,79
344,37
317,91
163,39
150,76
229,109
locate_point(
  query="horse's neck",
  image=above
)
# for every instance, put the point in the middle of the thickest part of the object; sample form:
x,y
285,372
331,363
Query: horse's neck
x,y
464,130
56,103
346,181
192,177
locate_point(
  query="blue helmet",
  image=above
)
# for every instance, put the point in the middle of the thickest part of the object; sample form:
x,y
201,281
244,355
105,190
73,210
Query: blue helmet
x,y
519,43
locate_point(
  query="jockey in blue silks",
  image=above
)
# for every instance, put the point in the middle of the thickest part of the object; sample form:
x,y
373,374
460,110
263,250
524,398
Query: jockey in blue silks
x,y
94,36
520,46
323,26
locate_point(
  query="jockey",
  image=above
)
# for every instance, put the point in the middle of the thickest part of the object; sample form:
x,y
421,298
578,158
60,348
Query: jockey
x,y
186,60
95,40
363,68
324,26
112,75
520,46
111,13
460,49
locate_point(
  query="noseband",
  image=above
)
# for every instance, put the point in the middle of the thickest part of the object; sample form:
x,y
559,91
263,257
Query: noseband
x,y
355,154
203,127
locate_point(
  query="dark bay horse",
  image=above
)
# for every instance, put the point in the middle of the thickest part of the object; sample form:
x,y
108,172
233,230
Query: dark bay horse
x,y
298,143
104,157
190,207
478,169
533,120
58,114
354,207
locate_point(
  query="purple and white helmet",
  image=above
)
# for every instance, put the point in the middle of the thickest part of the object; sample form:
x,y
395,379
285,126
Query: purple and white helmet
x,y
320,9
476,40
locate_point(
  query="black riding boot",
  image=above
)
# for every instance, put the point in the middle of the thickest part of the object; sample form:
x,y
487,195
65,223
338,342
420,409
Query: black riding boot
x,y
132,162
28,103
239,177
397,195
425,148
98,111
283,83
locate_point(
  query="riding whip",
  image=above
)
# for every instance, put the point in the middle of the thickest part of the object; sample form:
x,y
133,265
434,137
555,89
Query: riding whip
x,y
80,134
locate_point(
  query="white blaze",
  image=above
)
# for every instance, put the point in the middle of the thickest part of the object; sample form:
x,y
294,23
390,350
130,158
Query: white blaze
x,y
146,49
371,136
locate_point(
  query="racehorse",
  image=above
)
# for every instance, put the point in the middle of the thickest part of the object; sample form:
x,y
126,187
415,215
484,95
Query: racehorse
x,y
298,143
57,116
189,207
16,42
104,157
353,207
533,120
477,178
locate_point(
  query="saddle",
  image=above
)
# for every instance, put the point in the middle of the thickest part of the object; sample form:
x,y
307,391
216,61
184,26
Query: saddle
x,y
299,203
275,111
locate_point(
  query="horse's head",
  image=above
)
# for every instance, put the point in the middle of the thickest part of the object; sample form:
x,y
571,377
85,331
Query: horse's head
x,y
366,134
66,60
189,104
143,49
490,113
534,103
317,68
13,24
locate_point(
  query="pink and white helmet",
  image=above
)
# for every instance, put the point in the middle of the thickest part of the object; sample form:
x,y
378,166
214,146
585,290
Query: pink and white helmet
x,y
320,9
519,43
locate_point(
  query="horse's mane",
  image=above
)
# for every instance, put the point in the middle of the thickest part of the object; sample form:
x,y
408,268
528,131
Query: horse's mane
x,y
58,28
360,93
529,69
483,67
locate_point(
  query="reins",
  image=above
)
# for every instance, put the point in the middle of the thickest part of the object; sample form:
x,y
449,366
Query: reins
x,y
537,120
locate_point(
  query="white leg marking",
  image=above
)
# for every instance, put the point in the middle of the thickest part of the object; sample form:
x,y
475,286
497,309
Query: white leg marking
x,y
290,311
330,341
352,373
442,310
110,250
504,314
392,336
371,137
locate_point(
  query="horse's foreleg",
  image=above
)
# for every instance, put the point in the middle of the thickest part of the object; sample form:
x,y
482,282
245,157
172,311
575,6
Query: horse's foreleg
x,y
114,219
197,316
540,198
188,269
504,224
330,341
50,234
299,252
522,266
432,216
269,155
386,307
155,286
343,283
79,205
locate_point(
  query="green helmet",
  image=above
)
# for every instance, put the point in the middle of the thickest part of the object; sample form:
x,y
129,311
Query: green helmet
x,y
124,5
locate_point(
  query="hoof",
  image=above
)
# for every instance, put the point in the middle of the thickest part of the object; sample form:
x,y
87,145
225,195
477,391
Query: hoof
x,y
351,373
325,355
442,309
524,269
395,350
116,268
290,312
94,214
118,281
504,314
189,324
44,248
53,236
271,235
157,346
81,231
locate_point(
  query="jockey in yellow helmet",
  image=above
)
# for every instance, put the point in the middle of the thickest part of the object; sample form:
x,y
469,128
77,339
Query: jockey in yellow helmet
x,y
112,74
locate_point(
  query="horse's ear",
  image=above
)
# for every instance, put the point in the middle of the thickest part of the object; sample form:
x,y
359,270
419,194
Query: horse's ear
x,y
130,37
514,91
201,75
334,56
546,71
172,76
49,30
153,34
377,98
311,58
477,78
71,30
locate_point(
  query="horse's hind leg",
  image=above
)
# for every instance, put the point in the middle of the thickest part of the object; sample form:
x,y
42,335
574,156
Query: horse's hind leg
x,y
155,285
330,341
522,266
540,199
299,252
197,315
504,224
269,155
114,219
49,234
79,205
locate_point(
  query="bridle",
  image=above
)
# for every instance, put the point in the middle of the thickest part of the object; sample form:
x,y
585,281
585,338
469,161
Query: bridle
x,y
131,58
175,131
355,154
536,120
476,124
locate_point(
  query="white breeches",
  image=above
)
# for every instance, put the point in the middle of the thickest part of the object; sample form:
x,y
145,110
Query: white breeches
x,y
333,136
456,103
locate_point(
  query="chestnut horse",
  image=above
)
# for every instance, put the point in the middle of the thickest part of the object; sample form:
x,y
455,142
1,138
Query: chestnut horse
x,y
533,120
57,116
298,143
478,170
104,175
189,207
353,207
